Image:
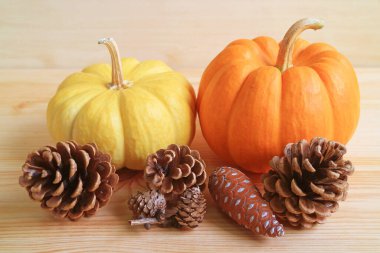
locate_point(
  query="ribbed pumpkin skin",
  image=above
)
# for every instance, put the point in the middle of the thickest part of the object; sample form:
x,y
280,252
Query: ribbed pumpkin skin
x,y
249,110
129,123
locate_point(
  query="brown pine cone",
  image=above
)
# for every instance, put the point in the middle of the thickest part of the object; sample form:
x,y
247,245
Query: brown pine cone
x,y
149,204
305,185
191,208
70,180
236,195
173,170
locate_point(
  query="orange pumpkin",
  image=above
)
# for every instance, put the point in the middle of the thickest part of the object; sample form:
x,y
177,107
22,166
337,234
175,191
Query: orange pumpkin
x,y
257,95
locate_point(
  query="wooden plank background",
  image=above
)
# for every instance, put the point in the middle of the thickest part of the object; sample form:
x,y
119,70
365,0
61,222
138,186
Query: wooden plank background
x,y
41,42
185,34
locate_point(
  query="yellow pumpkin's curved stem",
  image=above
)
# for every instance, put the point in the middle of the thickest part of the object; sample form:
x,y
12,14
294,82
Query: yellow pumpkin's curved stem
x,y
285,55
117,72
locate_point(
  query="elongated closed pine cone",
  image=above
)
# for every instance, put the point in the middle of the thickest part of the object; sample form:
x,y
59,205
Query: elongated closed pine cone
x,y
305,185
149,204
191,208
236,195
70,180
175,169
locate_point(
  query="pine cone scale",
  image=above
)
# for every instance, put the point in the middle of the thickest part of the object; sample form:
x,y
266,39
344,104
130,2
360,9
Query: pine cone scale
x,y
309,218
283,189
308,166
94,180
90,149
53,202
306,206
59,190
77,190
37,195
292,205
321,209
73,168
276,205
190,180
185,170
297,190
69,204
104,169
88,201
64,150
104,192
270,182
201,179
175,173
295,166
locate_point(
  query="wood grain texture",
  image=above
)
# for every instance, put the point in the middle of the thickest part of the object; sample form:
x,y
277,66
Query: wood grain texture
x,y
185,34
25,227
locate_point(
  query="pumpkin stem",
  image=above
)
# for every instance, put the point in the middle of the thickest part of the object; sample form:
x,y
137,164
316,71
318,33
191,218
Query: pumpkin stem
x,y
117,73
285,54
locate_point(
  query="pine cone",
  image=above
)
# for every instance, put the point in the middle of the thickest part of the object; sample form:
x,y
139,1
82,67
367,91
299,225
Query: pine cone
x,y
70,180
173,170
149,204
238,197
191,208
305,185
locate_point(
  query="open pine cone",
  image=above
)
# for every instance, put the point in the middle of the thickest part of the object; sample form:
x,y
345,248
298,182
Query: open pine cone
x,y
305,185
70,180
175,169
149,204
191,208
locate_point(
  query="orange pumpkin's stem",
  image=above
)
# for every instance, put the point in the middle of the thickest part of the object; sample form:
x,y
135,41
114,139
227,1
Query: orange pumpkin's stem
x,y
117,74
285,55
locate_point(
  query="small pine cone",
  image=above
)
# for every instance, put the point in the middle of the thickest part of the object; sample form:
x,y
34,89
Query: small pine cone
x,y
149,204
191,208
238,197
305,185
70,180
173,170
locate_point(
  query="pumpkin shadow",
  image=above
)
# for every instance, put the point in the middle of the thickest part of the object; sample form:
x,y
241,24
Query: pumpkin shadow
x,y
130,182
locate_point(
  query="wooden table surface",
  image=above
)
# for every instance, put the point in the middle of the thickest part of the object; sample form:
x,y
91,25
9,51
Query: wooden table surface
x,y
24,226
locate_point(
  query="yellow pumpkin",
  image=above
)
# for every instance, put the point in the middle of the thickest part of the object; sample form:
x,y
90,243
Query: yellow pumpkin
x,y
129,109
